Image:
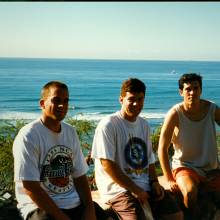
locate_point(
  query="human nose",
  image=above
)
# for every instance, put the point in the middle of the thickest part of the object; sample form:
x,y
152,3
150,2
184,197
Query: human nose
x,y
192,91
61,105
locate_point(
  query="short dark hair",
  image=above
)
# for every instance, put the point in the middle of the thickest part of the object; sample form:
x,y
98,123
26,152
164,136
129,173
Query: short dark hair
x,y
132,85
188,78
46,88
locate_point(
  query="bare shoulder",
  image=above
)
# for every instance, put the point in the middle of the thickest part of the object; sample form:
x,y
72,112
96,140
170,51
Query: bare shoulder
x,y
217,115
170,122
205,104
172,116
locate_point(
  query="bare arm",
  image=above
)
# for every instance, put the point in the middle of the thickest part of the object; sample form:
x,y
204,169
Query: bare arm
x,y
217,115
157,189
123,180
170,122
42,200
82,187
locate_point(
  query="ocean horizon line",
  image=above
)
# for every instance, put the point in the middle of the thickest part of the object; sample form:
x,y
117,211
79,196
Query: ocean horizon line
x,y
110,59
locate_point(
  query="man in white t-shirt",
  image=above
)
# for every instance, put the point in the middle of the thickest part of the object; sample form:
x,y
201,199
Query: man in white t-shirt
x,y
124,160
49,167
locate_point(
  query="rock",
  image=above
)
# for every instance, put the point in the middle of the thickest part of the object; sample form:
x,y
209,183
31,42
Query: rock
x,y
9,212
96,198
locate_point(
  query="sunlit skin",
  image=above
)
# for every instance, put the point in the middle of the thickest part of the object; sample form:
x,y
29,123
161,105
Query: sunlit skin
x,y
54,108
131,105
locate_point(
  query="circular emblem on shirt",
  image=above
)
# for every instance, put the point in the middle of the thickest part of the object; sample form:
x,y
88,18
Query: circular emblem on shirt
x,y
57,169
136,153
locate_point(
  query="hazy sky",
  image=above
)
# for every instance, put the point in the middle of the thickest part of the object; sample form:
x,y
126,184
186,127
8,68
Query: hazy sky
x,y
111,30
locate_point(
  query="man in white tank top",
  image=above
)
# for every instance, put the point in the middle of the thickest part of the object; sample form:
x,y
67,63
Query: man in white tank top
x,y
190,127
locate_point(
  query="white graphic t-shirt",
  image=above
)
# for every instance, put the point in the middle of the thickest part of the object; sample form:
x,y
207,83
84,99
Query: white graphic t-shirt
x,y
52,158
129,145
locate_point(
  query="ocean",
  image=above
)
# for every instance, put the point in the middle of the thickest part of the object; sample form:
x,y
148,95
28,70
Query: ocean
x,y
95,85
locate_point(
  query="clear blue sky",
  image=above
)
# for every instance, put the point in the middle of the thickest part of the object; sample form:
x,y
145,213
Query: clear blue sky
x,y
111,30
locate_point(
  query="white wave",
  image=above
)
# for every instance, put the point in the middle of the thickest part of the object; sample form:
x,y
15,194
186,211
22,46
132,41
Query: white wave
x,y
152,115
18,115
89,116
98,116
94,116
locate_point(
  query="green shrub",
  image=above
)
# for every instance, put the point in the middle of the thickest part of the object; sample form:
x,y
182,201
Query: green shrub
x,y
155,138
85,130
8,131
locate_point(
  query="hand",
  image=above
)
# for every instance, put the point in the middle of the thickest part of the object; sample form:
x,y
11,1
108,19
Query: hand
x,y
173,186
157,190
89,213
141,195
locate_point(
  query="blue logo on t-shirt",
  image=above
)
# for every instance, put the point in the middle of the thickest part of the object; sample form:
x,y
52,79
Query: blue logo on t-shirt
x,y
136,153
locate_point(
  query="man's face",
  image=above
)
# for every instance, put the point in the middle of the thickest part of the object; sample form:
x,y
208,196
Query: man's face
x,y
131,105
55,105
191,92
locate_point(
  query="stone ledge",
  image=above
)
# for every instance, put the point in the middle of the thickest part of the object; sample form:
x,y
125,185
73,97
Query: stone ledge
x,y
162,181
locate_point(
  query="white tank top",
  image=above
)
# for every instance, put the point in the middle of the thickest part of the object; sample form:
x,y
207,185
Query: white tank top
x,y
195,145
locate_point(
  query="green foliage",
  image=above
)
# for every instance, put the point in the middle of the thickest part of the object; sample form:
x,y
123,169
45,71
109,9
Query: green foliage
x,y
155,141
85,130
8,131
155,138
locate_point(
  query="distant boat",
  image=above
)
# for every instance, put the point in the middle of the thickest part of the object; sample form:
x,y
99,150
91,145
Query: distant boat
x,y
173,72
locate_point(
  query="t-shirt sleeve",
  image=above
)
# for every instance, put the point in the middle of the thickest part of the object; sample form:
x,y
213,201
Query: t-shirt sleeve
x,y
26,156
104,142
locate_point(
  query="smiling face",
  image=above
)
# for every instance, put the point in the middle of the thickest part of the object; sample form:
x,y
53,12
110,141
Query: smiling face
x,y
191,92
131,105
54,104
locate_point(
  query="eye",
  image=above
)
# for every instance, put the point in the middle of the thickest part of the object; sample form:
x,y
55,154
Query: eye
x,y
140,99
66,101
131,100
55,100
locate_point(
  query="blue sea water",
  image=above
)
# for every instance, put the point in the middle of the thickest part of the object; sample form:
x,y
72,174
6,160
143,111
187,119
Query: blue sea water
x,y
95,85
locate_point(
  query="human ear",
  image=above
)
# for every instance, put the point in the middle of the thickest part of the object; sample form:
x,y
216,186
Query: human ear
x,y
121,99
181,92
42,103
